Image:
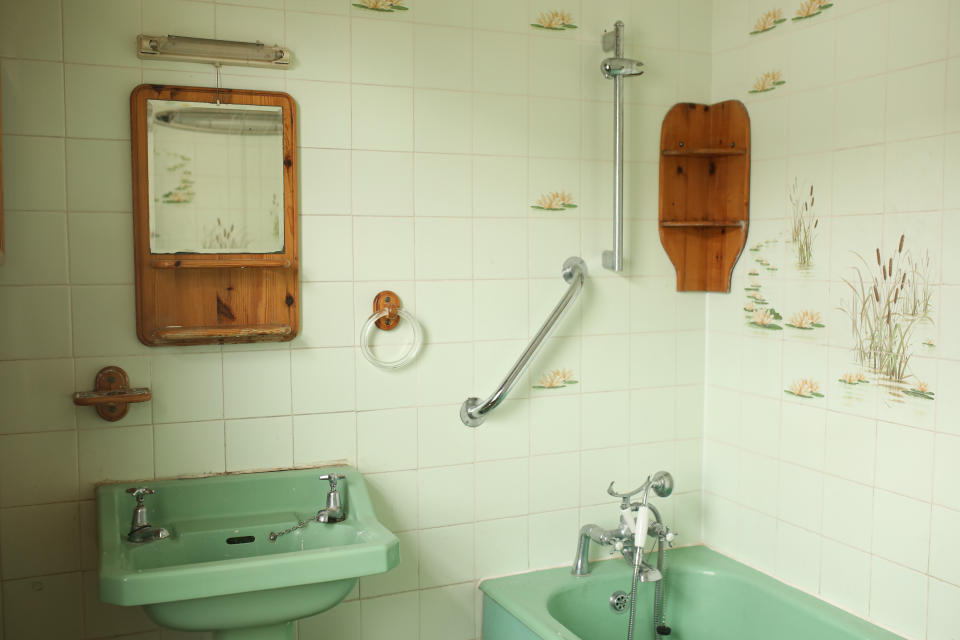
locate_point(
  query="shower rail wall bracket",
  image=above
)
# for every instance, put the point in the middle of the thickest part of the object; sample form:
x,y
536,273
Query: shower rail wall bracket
x,y
474,411
617,68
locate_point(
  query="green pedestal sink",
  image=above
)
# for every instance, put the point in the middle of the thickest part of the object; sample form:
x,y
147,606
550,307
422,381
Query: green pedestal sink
x,y
219,571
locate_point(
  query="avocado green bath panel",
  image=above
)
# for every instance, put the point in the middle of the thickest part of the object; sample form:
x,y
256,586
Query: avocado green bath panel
x,y
200,555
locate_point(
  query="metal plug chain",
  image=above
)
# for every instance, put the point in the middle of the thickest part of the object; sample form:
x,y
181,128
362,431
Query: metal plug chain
x,y
300,525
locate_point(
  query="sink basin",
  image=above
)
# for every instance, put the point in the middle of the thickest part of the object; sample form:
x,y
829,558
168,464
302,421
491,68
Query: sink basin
x,y
218,570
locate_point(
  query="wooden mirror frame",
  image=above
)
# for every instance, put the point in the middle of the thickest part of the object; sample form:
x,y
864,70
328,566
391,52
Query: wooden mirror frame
x,y
192,298
3,236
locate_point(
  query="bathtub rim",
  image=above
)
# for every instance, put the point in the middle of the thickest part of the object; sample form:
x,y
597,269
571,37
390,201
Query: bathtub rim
x,y
525,595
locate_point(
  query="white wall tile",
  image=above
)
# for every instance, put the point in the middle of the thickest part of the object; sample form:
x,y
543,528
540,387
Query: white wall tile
x,y
382,52
915,99
320,44
259,443
898,598
189,448
371,129
32,98
31,30
98,32
33,174
918,32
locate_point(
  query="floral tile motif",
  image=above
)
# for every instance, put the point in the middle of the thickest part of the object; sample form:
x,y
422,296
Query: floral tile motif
x,y
804,388
764,319
768,81
806,320
556,20
554,201
556,379
811,8
384,6
768,21
919,390
854,379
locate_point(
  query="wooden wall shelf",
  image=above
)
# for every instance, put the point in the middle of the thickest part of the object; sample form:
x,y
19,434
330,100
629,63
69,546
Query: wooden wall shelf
x,y
705,191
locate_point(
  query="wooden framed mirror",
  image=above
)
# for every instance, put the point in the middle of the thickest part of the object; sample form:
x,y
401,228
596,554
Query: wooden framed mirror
x,y
215,215
3,237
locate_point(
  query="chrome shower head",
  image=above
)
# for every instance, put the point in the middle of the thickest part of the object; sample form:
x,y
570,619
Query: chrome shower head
x,y
621,67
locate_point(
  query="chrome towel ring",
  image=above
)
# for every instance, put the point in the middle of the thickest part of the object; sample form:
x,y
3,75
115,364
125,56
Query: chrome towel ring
x,y
387,313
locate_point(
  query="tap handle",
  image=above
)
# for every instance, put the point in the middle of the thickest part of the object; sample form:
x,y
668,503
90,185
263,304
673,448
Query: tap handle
x,y
139,492
332,479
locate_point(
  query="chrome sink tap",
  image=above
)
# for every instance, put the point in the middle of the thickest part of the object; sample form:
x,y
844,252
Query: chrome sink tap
x,y
335,511
140,529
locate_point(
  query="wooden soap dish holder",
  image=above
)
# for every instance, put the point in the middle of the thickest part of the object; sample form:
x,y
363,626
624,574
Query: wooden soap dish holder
x,y
112,394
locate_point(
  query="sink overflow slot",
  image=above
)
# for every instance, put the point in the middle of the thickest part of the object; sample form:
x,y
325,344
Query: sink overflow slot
x,y
241,540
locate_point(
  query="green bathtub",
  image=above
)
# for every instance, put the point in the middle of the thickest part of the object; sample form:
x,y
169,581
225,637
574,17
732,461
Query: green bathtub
x,y
708,597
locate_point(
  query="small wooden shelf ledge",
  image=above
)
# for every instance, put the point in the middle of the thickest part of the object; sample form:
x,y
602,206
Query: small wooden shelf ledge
x,y
702,223
705,153
228,334
209,262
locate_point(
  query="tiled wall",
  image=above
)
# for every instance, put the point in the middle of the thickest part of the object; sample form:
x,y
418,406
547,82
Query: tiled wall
x,y
847,485
426,136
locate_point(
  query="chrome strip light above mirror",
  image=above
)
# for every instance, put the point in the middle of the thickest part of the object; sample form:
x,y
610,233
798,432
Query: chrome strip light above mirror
x,y
217,52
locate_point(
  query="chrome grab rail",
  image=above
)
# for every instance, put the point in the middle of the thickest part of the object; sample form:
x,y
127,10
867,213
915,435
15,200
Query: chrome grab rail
x,y
474,411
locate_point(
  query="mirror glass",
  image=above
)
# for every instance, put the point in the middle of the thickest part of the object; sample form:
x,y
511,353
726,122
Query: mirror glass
x,y
215,177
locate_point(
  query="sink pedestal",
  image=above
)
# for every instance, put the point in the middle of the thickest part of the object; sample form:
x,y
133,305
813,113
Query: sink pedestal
x,y
282,631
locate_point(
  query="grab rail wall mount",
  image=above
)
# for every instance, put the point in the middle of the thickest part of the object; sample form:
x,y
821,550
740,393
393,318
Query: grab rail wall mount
x,y
474,411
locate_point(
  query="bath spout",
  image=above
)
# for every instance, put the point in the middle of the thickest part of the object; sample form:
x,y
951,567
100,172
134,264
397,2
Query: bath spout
x,y
581,563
